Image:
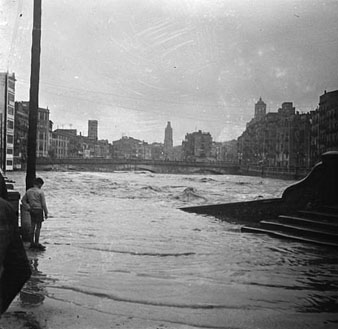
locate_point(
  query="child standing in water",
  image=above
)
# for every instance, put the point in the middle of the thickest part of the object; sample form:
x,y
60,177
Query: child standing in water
x,y
34,201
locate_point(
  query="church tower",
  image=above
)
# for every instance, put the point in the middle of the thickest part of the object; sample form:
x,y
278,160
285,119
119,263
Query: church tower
x,y
168,139
260,109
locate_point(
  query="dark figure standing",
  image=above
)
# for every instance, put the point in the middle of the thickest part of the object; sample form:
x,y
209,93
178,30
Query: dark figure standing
x,y
34,201
14,266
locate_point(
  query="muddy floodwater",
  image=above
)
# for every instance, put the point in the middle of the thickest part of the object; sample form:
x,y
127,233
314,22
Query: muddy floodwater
x,y
118,248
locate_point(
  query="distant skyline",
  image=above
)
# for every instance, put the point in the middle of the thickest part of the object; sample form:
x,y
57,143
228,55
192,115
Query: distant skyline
x,y
134,65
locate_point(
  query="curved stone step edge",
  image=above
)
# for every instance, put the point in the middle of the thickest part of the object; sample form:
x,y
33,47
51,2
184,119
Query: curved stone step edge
x,y
330,209
318,214
286,236
308,221
300,228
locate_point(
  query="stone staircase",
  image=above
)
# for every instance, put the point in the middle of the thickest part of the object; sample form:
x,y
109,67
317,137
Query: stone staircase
x,y
282,217
319,226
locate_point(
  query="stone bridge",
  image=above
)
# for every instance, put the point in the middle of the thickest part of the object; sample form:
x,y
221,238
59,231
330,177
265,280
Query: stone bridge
x,y
155,166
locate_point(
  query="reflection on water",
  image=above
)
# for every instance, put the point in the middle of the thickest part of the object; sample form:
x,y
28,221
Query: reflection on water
x,y
319,303
116,242
34,291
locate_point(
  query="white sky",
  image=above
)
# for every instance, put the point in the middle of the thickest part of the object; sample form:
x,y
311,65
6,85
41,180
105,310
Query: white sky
x,y
202,64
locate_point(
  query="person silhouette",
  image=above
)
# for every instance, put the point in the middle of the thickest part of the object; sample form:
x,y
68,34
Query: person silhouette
x,y
34,201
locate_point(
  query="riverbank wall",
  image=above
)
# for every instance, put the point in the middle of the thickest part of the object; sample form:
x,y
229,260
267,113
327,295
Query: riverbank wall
x,y
274,172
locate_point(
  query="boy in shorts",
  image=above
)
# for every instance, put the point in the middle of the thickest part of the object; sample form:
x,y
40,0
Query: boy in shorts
x,y
34,201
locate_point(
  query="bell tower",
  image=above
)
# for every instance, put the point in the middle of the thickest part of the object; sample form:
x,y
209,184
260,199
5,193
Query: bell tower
x,y
260,109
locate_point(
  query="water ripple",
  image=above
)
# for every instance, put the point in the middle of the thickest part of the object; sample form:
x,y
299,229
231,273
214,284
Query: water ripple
x,y
136,253
151,303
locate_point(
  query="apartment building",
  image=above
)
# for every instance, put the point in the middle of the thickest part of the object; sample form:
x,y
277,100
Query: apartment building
x,y
7,119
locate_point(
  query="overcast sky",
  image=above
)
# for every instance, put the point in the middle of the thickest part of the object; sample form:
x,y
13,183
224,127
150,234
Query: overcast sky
x,y
202,64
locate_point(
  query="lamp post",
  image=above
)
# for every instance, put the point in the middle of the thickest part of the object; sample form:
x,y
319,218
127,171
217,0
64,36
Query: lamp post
x,y
34,95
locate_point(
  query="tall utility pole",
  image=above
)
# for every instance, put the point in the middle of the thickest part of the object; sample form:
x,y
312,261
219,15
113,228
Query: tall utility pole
x,y
34,95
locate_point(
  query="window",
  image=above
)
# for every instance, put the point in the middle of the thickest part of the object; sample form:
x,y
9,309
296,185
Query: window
x,y
9,163
11,84
9,151
10,110
10,97
10,139
42,116
10,124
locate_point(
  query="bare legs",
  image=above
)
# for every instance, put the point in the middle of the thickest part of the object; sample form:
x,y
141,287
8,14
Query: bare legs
x,y
35,233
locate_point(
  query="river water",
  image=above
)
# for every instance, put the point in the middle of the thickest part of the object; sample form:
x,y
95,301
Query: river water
x,y
117,244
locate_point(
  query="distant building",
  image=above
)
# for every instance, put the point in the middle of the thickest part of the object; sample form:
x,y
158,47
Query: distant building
x,y
267,135
20,134
99,149
293,138
168,141
157,151
59,145
177,153
147,151
68,132
287,109
324,127
279,139
43,134
302,140
197,146
228,151
129,148
93,130
7,104
74,145
215,154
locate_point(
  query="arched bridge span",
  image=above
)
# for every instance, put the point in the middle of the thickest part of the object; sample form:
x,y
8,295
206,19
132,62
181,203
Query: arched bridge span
x,y
154,166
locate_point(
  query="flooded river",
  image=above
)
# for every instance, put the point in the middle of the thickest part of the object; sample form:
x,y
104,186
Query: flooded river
x,y
118,246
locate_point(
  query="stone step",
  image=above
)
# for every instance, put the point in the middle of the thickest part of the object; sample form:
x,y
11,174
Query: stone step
x,y
306,231
284,235
332,209
301,221
319,215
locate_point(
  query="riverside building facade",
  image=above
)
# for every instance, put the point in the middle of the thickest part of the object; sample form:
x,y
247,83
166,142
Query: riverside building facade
x,y
7,105
131,148
324,125
43,134
197,146
290,139
93,130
